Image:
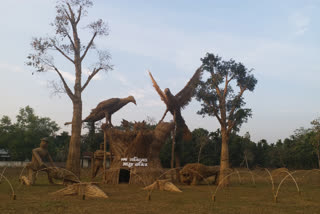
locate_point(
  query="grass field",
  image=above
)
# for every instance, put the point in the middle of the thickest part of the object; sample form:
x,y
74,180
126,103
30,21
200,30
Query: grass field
x,y
249,196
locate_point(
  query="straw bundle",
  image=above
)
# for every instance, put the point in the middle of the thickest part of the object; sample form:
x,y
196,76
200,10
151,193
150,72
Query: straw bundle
x,y
163,185
82,189
24,180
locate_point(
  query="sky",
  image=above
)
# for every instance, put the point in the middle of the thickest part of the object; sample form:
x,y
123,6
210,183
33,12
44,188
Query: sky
x,y
278,39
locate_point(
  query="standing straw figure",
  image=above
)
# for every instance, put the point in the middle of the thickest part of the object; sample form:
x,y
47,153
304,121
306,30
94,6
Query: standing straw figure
x,y
98,158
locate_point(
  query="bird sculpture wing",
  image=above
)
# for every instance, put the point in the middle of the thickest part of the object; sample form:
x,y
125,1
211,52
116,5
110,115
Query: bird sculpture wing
x,y
185,95
107,105
160,92
98,113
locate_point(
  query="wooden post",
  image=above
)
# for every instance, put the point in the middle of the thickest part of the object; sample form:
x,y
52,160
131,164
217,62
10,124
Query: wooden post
x,y
104,155
173,145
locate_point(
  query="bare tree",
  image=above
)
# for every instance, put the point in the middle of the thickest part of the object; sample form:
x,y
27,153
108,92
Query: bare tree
x,y
66,42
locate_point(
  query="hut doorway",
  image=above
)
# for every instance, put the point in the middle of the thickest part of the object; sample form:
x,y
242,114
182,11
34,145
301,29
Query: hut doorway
x,y
124,176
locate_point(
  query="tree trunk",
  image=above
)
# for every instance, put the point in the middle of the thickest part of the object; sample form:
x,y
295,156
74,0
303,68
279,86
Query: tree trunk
x,y
73,162
224,159
318,154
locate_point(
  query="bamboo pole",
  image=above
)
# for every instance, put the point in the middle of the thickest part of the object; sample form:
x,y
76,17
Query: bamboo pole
x,y
104,155
173,145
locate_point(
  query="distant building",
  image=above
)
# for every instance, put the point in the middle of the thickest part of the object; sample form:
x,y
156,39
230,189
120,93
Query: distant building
x,y
86,159
4,155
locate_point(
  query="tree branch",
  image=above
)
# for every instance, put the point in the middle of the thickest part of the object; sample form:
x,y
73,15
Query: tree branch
x,y
68,16
230,126
71,13
79,15
63,53
227,83
231,123
71,41
69,92
95,71
88,46
215,112
225,87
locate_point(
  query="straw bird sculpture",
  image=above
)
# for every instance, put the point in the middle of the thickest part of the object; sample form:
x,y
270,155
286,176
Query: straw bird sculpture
x,y
106,108
176,102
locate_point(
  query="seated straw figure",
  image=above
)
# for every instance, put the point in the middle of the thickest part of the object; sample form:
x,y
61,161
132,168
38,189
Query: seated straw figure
x,y
37,162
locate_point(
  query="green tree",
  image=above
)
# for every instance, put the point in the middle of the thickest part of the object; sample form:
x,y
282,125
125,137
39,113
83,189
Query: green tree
x,y
24,135
6,131
219,98
261,153
315,139
201,138
59,149
67,43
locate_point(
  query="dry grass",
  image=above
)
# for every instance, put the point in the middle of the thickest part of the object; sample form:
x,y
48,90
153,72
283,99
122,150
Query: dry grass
x,y
123,198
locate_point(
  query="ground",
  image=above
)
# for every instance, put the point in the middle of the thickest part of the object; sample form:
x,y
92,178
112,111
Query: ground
x,y
249,196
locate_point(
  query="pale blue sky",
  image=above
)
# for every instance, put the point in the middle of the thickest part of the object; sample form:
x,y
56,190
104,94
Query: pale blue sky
x,y
279,39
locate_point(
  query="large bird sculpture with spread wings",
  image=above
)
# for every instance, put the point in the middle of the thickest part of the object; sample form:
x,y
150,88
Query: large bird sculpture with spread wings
x,y
176,102
106,108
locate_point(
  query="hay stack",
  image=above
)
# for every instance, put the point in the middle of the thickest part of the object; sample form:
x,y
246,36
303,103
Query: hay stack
x,y
24,180
141,143
163,185
82,189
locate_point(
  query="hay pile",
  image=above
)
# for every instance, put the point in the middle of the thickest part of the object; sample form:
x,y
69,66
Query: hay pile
x,y
82,189
24,180
163,185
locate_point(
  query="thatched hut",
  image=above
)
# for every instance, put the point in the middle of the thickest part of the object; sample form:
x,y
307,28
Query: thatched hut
x,y
136,154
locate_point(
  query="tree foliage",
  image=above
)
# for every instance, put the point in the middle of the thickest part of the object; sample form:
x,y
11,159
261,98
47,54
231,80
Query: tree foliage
x,y
219,98
295,152
21,137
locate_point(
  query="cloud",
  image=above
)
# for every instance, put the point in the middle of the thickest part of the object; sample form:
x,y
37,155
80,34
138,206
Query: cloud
x,y
138,93
69,77
43,82
300,22
154,103
10,67
120,77
87,72
145,95
171,46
